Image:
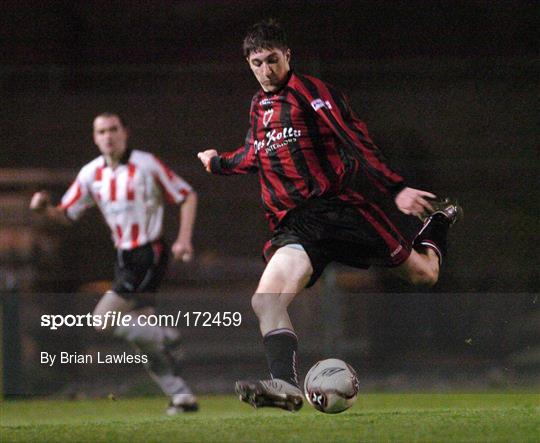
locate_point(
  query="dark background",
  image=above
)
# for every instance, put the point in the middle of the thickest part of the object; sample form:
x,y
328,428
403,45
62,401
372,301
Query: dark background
x,y
448,89
168,32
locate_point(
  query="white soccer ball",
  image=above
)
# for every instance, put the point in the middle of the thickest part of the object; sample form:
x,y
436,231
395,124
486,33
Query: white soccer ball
x,y
331,386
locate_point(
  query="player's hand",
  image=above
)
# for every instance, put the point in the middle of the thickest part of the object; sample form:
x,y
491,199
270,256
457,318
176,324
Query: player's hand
x,y
412,201
206,156
182,250
40,201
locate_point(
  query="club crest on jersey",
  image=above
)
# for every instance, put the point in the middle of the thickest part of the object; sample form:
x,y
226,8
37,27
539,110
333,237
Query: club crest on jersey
x,y
267,116
319,103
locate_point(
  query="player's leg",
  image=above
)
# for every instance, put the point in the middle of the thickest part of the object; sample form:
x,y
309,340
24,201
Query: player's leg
x,y
138,332
112,302
140,271
157,343
161,345
423,265
420,269
287,273
127,304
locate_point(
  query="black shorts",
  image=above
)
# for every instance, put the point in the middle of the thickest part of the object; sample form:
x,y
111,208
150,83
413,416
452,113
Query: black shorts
x,y
140,270
332,230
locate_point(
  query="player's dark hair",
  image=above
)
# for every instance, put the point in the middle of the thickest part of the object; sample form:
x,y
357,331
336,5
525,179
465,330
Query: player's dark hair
x,y
109,114
267,34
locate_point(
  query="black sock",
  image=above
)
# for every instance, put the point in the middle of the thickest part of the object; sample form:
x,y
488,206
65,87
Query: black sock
x,y
281,346
433,235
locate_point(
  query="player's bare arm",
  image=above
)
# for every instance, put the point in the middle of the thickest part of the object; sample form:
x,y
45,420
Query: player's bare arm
x,y
182,248
206,156
41,204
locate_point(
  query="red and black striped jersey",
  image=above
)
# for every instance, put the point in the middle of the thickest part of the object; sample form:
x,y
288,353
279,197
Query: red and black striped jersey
x,y
305,141
130,196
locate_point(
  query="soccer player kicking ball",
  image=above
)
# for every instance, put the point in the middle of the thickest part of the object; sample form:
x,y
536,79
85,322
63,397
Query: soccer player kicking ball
x,y
129,186
317,165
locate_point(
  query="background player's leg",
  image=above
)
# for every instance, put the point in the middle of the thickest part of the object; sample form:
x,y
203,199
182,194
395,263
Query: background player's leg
x,y
111,301
153,341
286,274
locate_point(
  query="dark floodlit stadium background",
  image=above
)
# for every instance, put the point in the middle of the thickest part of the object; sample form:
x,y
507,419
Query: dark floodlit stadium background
x,y
448,92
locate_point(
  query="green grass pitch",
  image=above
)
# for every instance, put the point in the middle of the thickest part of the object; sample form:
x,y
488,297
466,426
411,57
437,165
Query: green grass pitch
x,y
374,417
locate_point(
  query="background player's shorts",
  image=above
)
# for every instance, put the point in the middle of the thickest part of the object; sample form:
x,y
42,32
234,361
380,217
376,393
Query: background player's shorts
x,y
139,271
332,230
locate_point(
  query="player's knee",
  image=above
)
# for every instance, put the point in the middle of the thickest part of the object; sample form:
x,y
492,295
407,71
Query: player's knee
x,y
424,277
263,303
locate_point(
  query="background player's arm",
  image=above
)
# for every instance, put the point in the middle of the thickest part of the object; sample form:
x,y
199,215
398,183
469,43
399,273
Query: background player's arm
x,y
182,248
41,203
178,191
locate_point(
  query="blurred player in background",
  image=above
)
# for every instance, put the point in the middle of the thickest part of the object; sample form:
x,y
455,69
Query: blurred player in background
x,y
319,172
129,187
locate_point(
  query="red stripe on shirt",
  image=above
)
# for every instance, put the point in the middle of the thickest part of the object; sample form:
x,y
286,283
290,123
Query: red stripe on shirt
x,y
99,174
275,182
134,235
291,173
97,178
129,183
73,199
113,189
168,195
168,172
273,213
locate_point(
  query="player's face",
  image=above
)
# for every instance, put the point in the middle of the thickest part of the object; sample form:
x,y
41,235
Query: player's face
x,y
110,136
270,67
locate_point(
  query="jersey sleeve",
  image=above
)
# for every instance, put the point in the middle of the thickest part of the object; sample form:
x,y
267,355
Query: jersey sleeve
x,y
333,107
175,188
241,161
77,198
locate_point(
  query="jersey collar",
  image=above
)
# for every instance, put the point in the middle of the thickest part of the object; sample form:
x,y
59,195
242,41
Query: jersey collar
x,y
285,83
125,157
124,160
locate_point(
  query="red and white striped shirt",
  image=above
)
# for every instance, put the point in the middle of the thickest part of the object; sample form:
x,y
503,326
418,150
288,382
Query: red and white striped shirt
x,y
129,196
